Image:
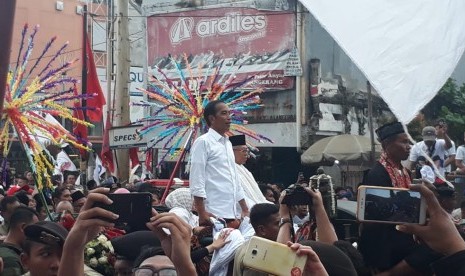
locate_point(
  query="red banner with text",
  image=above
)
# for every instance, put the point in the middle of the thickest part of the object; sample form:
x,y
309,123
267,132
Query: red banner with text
x,y
247,42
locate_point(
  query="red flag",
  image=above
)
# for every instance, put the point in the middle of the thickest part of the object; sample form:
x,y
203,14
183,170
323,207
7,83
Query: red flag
x,y
148,160
134,157
95,104
79,130
107,154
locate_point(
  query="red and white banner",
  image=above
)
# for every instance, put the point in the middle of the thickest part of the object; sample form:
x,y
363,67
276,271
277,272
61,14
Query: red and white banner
x,y
246,41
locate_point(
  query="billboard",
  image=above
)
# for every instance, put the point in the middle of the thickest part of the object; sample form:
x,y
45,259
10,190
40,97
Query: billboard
x,y
246,41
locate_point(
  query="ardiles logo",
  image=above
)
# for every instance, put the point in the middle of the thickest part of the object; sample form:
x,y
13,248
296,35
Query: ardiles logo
x,y
181,30
231,23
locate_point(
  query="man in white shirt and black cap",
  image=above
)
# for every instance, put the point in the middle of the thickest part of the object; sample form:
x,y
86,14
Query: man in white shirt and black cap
x,y
213,176
252,192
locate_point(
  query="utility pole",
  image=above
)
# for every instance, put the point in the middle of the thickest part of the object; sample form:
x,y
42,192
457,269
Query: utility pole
x,y
121,98
110,72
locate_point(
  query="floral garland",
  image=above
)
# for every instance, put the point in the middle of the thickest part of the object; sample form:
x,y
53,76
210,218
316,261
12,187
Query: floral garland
x,y
318,179
99,255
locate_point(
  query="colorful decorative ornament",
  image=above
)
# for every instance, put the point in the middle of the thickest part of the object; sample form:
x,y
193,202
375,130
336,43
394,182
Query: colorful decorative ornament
x,y
179,104
33,99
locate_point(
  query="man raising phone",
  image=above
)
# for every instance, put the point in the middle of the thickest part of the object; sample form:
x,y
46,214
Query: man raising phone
x,y
214,182
385,250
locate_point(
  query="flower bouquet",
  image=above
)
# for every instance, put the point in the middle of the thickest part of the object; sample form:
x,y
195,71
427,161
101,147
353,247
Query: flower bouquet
x,y
99,255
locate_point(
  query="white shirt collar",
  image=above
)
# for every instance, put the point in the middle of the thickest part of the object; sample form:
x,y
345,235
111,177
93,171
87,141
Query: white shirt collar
x,y
216,135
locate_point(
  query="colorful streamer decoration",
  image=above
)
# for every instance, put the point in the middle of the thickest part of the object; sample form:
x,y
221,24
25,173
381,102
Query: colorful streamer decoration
x,y
37,92
179,105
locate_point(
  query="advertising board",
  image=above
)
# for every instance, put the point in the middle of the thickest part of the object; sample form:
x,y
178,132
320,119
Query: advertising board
x,y
244,41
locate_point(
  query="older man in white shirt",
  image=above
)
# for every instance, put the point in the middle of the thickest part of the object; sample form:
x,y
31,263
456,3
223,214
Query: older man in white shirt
x,y
252,192
213,177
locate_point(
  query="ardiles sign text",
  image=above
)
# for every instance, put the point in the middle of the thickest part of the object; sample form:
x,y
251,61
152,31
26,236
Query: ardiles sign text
x,y
260,42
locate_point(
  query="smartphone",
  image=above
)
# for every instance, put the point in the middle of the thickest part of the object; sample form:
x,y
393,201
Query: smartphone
x,y
273,258
301,178
134,210
390,205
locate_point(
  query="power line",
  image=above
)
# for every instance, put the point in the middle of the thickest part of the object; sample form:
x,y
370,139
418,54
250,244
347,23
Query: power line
x,y
65,52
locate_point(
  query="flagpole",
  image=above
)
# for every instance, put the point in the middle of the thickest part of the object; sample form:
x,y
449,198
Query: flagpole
x,y
7,16
176,167
34,173
84,61
83,159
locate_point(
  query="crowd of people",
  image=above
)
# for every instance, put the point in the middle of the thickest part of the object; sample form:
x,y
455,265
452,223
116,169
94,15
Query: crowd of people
x,y
205,229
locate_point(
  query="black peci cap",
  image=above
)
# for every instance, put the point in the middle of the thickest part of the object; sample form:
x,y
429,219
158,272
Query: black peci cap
x,y
77,195
237,140
389,130
66,173
130,245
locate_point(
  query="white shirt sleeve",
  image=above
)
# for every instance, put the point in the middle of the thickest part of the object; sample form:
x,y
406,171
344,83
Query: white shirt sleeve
x,y
197,174
414,153
427,173
239,189
460,153
451,151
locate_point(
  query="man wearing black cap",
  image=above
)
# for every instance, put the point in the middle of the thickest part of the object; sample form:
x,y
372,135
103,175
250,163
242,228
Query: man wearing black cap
x,y
388,170
128,247
213,177
252,192
385,249
79,199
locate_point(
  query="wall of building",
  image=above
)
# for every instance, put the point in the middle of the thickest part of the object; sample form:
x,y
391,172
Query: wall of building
x,y
66,24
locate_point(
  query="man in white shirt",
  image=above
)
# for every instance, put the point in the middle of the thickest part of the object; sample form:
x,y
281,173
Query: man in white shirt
x,y
62,161
252,192
213,177
450,153
460,163
431,146
450,158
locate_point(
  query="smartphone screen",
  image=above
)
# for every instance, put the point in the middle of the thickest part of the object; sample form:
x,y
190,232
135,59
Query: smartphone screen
x,y
134,210
391,205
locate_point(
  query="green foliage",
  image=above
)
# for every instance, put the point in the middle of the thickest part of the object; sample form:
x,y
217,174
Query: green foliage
x,y
449,104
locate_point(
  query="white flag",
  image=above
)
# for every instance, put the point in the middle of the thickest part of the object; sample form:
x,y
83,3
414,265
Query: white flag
x,y
99,169
406,49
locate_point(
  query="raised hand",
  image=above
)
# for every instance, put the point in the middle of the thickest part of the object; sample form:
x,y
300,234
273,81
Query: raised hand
x,y
313,266
176,244
440,233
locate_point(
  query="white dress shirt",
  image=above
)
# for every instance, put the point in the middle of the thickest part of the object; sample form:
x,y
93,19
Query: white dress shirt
x,y
213,175
427,173
460,154
449,153
421,149
252,192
